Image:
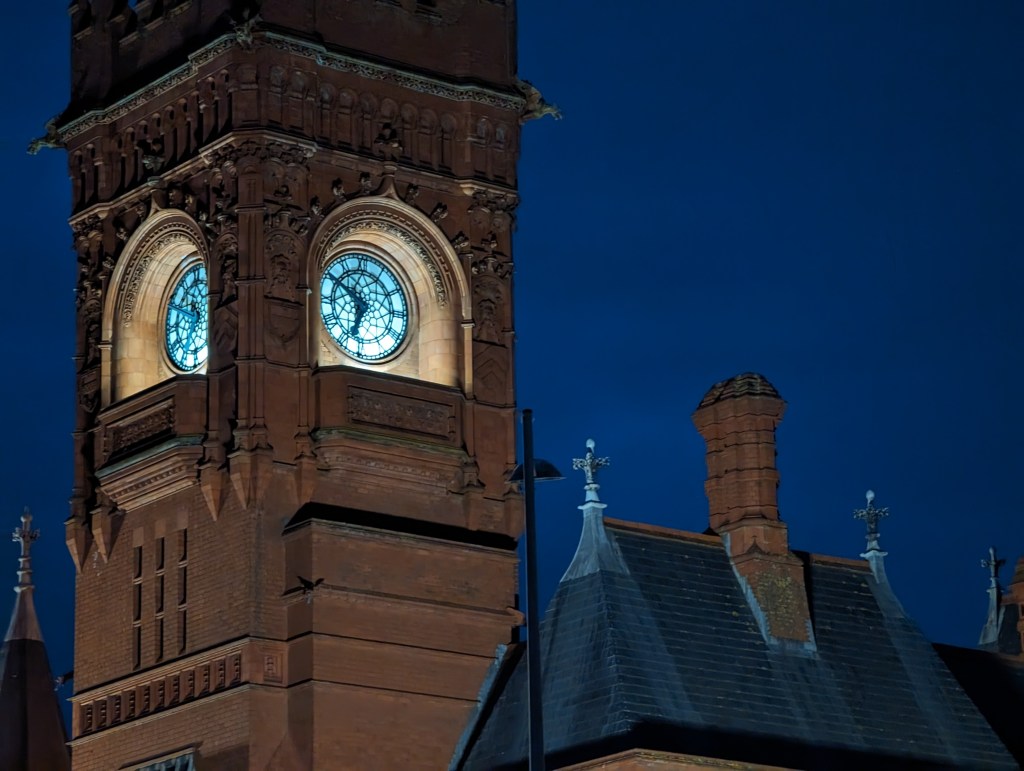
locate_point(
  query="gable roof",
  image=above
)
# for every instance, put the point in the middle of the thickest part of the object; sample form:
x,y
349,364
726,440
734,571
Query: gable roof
x,y
665,653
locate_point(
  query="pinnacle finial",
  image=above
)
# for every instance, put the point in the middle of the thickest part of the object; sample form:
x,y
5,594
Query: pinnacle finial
x,y
25,536
871,517
24,624
590,464
993,563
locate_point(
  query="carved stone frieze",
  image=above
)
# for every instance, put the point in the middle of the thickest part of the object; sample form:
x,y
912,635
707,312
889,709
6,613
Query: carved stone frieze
x,y
231,153
154,422
401,412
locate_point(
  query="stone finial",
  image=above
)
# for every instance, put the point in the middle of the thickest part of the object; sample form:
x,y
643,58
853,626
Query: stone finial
x,y
24,624
596,550
993,563
871,517
590,464
26,536
989,637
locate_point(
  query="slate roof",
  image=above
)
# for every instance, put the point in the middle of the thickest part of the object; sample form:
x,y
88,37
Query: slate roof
x,y
655,647
996,686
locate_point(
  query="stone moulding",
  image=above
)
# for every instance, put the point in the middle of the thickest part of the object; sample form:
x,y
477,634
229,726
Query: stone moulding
x,y
388,221
164,688
151,243
154,474
419,83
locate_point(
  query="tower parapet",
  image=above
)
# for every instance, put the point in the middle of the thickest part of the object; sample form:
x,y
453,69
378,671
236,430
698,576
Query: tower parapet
x,y
118,47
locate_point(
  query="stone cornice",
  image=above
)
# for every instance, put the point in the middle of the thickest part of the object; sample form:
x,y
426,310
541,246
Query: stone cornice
x,y
447,89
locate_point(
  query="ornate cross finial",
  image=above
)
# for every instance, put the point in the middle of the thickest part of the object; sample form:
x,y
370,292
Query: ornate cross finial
x,y
993,563
26,536
871,516
590,464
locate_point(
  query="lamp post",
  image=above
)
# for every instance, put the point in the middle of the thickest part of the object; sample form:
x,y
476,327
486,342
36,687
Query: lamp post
x,y
531,471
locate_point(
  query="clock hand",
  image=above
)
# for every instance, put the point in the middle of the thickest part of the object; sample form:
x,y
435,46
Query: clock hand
x,y
361,308
360,312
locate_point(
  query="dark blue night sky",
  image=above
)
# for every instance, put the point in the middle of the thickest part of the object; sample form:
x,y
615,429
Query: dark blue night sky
x,y
827,193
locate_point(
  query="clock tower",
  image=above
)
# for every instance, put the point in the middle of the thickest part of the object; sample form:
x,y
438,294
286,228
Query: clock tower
x,y
294,538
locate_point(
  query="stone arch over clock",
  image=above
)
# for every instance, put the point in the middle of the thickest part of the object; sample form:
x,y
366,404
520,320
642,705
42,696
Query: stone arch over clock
x,y
156,316
388,294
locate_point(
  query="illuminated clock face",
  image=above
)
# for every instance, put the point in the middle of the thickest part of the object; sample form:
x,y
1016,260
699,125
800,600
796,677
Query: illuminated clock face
x,y
186,327
363,306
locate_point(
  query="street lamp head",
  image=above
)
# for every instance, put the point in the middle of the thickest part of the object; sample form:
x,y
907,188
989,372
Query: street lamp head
x,y
543,471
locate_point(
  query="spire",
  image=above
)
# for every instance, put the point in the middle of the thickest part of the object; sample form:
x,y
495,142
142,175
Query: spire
x,y
871,516
24,623
990,632
596,551
32,732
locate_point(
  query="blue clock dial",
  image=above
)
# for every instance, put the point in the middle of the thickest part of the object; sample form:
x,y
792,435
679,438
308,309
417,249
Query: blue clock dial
x,y
187,326
363,306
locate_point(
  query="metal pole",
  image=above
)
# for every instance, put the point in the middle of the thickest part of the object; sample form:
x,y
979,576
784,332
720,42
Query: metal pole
x,y
532,612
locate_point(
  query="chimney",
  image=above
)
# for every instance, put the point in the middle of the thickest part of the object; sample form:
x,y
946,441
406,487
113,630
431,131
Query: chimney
x,y
737,419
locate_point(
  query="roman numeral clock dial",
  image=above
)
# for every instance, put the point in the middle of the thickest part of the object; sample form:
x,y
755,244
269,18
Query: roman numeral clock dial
x,y
364,307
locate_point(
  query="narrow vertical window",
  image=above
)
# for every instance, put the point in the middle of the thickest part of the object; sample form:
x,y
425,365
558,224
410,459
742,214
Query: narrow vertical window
x,y
159,648
137,608
182,630
159,585
182,591
137,646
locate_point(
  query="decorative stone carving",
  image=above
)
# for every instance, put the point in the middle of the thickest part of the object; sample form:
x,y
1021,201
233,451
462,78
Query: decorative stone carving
x,y
153,423
282,251
488,301
388,221
388,144
89,390
400,412
493,211
492,263
90,310
169,234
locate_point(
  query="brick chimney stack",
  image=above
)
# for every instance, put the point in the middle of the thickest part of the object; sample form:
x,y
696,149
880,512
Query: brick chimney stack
x,y
737,419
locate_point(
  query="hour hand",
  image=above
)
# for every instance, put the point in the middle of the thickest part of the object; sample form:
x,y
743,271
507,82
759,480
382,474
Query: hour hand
x,y
360,312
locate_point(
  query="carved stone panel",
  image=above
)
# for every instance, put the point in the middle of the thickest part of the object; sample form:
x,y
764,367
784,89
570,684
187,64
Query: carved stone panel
x,y
155,422
401,412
